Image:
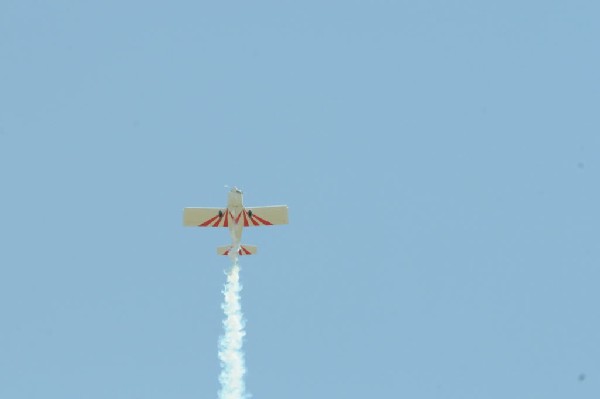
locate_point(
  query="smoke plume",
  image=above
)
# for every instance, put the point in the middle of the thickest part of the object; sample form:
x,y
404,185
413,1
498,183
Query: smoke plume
x,y
230,344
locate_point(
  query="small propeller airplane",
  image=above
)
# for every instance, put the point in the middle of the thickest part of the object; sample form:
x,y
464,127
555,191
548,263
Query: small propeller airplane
x,y
236,217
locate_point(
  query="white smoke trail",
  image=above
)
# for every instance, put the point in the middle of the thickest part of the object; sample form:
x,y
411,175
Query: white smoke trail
x,y
230,344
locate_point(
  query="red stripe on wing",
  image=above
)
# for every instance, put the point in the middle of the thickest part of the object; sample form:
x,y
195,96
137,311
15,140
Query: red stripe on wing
x,y
254,222
246,251
245,220
209,221
226,222
263,221
216,224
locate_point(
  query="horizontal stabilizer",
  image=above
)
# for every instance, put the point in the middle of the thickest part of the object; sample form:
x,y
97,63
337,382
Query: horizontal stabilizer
x,y
244,250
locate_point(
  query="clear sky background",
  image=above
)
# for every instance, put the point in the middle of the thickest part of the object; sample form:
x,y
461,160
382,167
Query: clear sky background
x,y
440,161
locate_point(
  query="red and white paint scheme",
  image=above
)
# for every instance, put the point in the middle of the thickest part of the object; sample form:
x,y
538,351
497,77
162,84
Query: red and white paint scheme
x,y
236,217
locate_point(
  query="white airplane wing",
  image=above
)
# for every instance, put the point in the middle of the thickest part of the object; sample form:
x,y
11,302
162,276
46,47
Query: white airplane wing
x,y
265,215
205,217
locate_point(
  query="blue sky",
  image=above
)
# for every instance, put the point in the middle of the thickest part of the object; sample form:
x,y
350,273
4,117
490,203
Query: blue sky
x,y
440,161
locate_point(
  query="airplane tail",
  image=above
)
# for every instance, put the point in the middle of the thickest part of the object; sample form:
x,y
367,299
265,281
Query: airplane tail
x,y
243,250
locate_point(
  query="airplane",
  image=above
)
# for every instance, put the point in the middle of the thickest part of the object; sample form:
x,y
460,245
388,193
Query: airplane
x,y
235,216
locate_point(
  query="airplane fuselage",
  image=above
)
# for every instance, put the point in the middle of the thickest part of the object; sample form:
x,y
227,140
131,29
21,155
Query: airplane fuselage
x,y
235,207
